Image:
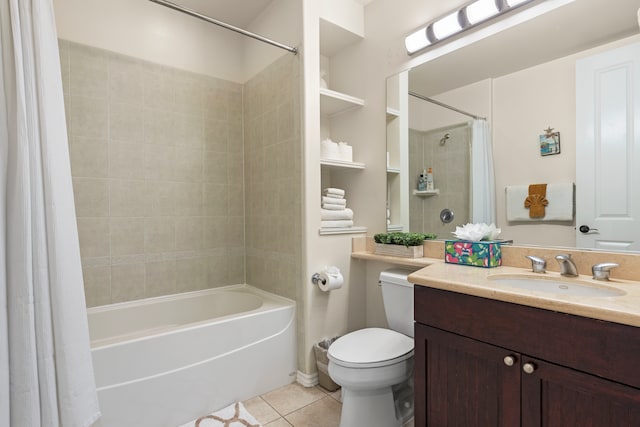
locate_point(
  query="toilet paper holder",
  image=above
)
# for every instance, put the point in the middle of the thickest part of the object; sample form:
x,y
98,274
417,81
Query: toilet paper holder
x,y
317,279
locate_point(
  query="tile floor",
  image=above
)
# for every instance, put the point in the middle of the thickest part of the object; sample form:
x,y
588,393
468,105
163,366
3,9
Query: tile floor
x,y
298,406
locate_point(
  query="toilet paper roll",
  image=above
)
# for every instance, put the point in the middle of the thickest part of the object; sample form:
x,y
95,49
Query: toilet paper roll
x,y
330,280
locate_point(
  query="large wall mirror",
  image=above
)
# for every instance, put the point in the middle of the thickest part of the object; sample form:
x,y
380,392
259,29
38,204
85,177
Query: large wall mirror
x,y
523,81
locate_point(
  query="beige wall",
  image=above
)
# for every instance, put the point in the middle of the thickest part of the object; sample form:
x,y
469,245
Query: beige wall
x,y
156,161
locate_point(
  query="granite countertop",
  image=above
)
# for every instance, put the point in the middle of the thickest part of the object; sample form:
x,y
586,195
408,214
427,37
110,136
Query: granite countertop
x,y
624,309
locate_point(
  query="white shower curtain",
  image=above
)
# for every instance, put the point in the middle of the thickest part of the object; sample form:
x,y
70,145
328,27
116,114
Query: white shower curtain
x,y
46,375
483,193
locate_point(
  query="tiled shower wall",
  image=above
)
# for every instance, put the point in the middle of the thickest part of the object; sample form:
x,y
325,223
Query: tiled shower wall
x,y
451,175
273,176
157,166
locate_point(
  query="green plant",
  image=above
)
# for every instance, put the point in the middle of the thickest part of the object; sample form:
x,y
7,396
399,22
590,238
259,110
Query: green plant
x,y
403,238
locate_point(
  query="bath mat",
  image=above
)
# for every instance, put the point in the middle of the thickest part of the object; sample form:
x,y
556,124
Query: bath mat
x,y
235,415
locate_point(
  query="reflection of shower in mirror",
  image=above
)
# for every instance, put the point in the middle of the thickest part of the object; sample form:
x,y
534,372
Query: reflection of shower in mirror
x,y
444,139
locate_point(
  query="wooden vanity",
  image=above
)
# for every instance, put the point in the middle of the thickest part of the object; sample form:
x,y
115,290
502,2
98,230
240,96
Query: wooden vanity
x,y
487,356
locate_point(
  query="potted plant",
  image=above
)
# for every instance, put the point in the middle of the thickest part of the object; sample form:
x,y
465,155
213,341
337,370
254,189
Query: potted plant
x,y
401,244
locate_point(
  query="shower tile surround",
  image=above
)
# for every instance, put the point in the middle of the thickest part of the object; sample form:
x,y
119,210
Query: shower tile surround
x,y
158,175
451,165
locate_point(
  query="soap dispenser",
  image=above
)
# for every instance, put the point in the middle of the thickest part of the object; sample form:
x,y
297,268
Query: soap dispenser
x,y
422,182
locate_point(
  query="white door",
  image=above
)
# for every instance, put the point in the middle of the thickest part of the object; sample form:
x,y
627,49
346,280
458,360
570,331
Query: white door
x,y
608,150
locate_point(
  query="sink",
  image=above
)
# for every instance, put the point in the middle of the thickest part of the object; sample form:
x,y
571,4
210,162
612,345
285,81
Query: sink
x,y
557,286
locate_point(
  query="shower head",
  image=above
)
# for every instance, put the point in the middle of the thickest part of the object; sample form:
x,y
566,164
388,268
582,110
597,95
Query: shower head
x,y
444,139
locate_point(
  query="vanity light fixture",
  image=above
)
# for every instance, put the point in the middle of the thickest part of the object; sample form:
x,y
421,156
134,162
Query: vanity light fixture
x,y
462,19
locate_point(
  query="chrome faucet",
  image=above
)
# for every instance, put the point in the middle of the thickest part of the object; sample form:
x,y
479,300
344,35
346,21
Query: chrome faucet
x,y
567,266
602,271
538,265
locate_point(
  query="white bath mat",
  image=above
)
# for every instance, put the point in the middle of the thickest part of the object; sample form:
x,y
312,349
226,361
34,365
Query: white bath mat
x,y
235,415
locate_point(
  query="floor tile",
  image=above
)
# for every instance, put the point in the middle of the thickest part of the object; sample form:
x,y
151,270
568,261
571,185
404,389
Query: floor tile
x,y
323,413
280,422
291,397
261,410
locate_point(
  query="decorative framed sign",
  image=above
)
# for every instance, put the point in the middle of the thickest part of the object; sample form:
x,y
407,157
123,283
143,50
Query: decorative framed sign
x,y
549,142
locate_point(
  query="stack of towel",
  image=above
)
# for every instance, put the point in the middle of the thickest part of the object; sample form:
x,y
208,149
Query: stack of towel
x,y
334,212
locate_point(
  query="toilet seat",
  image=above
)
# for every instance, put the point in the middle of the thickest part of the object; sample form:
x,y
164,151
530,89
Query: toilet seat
x,y
370,348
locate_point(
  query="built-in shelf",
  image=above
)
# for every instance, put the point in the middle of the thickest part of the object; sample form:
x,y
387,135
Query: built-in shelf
x,y
392,113
334,37
395,227
426,193
393,170
345,230
341,164
332,102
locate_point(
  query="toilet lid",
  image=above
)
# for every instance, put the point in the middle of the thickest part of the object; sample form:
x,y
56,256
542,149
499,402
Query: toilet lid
x,y
371,347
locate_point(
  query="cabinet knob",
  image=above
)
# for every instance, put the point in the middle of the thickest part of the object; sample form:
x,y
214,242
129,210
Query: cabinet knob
x,y
509,360
529,368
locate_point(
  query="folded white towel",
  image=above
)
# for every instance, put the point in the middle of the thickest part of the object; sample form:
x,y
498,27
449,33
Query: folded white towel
x,y
331,214
333,191
561,203
333,207
333,196
334,201
336,224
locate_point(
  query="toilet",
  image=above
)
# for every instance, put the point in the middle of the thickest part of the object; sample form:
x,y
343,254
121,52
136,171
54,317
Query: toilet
x,y
374,366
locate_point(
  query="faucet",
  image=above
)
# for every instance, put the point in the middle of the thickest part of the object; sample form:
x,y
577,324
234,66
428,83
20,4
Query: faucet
x,y
567,266
538,265
601,271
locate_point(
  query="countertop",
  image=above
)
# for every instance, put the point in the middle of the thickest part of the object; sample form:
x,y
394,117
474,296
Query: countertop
x,y
624,309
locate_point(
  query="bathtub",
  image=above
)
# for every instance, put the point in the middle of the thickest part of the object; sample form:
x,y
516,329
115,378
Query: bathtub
x,y
167,360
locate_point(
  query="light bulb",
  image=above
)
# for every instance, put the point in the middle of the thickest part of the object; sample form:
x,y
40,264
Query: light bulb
x,y
481,10
447,26
416,41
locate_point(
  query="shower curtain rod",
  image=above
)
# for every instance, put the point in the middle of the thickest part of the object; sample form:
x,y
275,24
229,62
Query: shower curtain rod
x,y
206,18
442,104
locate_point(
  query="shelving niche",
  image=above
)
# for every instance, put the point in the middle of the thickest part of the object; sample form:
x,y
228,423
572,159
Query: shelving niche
x,y
333,104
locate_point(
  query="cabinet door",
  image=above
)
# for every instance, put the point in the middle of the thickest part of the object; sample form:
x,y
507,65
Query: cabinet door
x,y
463,382
557,396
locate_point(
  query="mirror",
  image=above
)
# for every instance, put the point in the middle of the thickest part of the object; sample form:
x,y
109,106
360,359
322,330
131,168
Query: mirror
x,y
523,81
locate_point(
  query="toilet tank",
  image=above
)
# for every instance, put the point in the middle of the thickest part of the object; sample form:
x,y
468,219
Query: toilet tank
x,y
397,295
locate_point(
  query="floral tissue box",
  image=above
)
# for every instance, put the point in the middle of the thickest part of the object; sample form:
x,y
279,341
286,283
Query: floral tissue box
x,y
479,254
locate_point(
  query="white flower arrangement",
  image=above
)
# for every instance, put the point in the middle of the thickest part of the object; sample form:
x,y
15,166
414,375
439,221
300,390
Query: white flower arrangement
x,y
477,232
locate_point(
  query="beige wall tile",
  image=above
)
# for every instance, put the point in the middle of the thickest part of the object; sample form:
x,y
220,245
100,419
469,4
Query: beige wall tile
x,y
216,199
215,167
160,278
236,269
91,197
97,285
190,274
190,131
89,117
65,65
126,122
88,72
217,268
188,233
128,198
127,282
188,164
125,160
159,126
159,235
188,199
125,79
127,236
159,162
89,157
216,135
158,86
161,198
215,232
93,234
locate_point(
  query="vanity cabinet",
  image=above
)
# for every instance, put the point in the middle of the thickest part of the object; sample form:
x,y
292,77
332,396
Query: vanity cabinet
x,y
482,362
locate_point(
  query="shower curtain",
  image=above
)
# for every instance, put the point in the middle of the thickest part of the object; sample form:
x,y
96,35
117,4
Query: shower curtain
x,y
483,193
46,375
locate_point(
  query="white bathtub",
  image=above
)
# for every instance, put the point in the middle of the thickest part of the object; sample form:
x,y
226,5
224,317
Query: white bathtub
x,y
167,360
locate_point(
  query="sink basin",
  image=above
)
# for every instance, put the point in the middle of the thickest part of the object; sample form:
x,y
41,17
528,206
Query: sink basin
x,y
558,287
